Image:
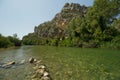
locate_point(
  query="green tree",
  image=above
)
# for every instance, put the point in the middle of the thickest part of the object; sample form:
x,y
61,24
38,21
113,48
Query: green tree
x,y
4,42
104,11
13,39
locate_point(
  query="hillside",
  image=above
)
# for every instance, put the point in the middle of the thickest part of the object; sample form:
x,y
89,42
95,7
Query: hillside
x,y
80,26
59,24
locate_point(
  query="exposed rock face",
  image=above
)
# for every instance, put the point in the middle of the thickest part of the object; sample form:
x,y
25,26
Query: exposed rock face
x,y
57,27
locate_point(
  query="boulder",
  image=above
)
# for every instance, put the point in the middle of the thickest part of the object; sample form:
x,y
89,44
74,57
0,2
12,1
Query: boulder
x,y
31,60
11,63
35,60
42,67
40,70
46,74
7,65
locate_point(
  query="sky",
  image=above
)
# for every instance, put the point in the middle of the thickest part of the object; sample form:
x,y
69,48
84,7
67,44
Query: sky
x,y
21,16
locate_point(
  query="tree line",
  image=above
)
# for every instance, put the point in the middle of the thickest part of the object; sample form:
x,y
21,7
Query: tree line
x,y
100,27
9,41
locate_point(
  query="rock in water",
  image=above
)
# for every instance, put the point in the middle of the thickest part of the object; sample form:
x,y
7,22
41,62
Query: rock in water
x,y
46,74
11,63
45,78
42,67
7,65
40,71
0,65
31,60
22,62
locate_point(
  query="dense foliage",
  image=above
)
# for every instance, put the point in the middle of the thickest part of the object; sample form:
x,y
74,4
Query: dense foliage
x,y
99,27
9,41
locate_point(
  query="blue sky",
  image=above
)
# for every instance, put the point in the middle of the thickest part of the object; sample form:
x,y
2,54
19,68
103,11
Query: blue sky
x,y
21,16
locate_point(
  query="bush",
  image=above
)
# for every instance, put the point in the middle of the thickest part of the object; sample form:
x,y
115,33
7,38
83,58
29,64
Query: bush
x,y
53,42
91,44
65,42
4,42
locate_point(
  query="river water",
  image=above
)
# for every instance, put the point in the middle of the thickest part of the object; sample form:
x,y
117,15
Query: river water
x,y
64,63
17,71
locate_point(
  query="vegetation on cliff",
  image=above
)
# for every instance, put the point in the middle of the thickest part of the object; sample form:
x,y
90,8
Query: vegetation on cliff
x,y
81,26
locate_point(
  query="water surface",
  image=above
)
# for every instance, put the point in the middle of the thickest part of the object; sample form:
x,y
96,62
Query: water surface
x,y
63,63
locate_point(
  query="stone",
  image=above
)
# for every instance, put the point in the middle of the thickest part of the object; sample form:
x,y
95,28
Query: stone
x,y
46,74
34,76
8,65
11,63
31,60
0,65
45,78
35,68
40,71
22,62
37,62
42,67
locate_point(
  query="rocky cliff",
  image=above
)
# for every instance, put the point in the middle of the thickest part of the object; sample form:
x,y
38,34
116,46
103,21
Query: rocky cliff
x,y
76,25
58,26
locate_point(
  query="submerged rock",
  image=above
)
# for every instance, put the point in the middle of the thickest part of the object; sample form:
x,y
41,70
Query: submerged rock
x,y
38,62
40,71
22,62
45,78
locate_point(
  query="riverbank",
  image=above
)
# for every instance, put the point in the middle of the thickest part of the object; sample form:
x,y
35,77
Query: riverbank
x,y
9,48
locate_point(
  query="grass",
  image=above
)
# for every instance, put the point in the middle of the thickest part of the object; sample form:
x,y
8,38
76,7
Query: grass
x,y
79,63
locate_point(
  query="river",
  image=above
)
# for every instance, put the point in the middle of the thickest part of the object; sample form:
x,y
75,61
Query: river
x,y
17,71
63,63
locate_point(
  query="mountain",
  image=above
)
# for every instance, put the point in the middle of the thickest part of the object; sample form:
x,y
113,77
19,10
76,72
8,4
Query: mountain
x,y
58,26
80,26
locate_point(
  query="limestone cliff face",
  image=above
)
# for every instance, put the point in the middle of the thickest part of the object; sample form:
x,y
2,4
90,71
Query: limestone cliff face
x,y
58,26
